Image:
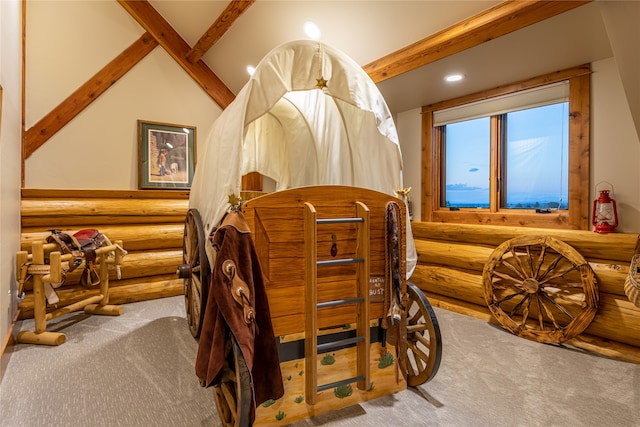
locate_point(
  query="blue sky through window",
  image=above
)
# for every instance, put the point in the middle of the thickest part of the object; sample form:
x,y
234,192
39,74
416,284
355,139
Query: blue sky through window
x,y
536,160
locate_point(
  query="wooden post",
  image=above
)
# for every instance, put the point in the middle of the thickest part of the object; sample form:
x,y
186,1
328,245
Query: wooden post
x,y
40,307
102,255
40,335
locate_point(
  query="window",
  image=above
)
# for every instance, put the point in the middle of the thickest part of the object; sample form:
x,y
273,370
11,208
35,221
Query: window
x,y
515,155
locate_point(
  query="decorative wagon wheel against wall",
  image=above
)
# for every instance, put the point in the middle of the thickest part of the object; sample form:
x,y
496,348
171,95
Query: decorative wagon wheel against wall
x,y
540,288
195,271
424,343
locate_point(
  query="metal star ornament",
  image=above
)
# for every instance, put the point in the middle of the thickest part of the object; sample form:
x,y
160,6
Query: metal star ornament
x,y
321,83
234,200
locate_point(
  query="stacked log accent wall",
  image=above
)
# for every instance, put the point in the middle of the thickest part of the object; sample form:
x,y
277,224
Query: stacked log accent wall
x,y
150,223
451,258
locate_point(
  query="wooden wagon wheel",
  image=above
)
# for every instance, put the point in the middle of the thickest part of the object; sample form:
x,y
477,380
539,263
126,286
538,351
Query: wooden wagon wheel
x,y
540,288
195,271
424,343
233,394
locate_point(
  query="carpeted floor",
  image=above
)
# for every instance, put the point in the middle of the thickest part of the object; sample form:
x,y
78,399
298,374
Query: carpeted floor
x,y
137,370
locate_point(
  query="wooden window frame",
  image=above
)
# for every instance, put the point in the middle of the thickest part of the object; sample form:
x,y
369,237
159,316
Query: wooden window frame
x,y
577,217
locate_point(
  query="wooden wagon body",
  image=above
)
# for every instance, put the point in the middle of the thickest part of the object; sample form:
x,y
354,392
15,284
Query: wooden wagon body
x,y
288,239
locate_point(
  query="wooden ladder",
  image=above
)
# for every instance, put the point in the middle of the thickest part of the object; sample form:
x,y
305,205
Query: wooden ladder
x,y
361,301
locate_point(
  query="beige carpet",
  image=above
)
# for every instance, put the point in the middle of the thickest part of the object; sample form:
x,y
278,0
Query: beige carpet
x,y
137,370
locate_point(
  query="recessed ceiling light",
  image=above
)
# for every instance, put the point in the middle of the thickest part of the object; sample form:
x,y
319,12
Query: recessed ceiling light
x,y
453,78
251,69
311,30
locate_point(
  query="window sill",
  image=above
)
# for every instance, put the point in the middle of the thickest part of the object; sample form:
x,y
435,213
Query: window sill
x,y
520,218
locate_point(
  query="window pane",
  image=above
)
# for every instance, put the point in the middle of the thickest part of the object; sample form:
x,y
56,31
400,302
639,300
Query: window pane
x,y
537,158
467,164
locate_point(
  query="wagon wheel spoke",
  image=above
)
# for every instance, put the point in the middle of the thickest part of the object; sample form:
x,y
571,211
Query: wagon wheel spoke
x,y
421,358
519,305
412,329
540,261
507,277
515,255
418,363
530,261
558,306
424,343
540,315
548,312
510,296
508,264
525,312
554,295
561,273
551,267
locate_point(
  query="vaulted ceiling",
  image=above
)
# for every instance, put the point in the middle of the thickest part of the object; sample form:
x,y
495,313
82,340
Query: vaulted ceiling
x,y
407,47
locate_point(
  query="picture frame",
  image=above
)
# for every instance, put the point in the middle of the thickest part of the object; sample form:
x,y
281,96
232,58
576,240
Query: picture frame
x,y
166,155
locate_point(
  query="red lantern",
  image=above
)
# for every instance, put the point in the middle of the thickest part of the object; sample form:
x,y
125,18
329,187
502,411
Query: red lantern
x,y
605,215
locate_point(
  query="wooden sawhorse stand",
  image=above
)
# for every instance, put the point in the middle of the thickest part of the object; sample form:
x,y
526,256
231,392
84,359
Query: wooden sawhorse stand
x,y
52,273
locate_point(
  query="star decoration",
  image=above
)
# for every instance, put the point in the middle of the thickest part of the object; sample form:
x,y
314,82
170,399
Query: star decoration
x,y
321,83
234,200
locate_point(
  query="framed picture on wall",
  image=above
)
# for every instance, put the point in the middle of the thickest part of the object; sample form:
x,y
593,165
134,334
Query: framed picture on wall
x,y
166,155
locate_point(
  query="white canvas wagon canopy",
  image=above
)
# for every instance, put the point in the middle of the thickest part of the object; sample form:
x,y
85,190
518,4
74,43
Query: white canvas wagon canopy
x,y
309,115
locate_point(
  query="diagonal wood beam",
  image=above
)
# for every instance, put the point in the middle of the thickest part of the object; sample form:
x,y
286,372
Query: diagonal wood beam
x,y
502,19
39,133
226,19
170,40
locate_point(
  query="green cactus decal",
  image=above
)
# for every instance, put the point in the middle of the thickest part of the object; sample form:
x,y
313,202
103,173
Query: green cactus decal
x,y
298,399
371,387
386,360
280,415
268,403
328,359
343,391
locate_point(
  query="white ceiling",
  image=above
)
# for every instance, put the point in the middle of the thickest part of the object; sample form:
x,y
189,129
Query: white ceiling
x,y
369,30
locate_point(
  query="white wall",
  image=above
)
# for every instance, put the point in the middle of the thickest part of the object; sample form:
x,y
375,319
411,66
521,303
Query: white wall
x,y
409,126
10,153
98,149
615,148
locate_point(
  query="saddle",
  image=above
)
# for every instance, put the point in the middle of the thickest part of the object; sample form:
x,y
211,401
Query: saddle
x,y
81,245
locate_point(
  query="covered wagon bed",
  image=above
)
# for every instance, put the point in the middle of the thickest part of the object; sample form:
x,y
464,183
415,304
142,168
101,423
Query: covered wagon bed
x,y
331,247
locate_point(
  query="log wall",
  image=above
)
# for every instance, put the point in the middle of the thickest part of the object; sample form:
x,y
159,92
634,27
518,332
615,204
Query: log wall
x,y
451,258
150,224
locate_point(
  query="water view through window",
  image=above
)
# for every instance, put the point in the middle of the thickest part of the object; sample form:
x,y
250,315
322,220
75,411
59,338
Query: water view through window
x,y
534,160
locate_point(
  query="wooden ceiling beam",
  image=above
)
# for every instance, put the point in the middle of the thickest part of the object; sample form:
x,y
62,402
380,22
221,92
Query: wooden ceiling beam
x,y
226,19
502,19
50,124
170,40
